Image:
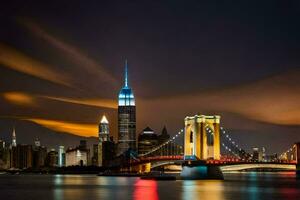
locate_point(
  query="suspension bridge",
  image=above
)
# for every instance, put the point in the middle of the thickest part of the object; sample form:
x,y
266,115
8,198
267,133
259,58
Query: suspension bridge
x,y
203,138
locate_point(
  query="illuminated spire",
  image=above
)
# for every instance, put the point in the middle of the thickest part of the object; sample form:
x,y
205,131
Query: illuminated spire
x,y
104,120
14,138
126,73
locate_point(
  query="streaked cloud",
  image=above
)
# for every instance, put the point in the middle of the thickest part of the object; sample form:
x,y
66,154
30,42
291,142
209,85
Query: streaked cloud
x,y
23,98
18,61
73,54
274,100
86,130
104,103
19,98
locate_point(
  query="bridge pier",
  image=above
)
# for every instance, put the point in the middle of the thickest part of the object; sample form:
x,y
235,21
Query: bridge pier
x,y
197,170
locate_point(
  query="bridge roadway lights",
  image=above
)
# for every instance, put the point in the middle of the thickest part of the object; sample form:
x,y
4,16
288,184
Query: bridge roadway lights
x,y
197,170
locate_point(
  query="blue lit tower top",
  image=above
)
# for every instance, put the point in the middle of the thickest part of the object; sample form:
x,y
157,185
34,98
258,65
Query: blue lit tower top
x,y
126,97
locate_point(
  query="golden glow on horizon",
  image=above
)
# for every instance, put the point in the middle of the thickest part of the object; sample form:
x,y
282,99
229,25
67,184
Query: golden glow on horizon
x,y
19,98
20,62
85,130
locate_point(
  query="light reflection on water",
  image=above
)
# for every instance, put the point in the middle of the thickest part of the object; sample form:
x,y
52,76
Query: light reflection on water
x,y
145,190
209,189
64,187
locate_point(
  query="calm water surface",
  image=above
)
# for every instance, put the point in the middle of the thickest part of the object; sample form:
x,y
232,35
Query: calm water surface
x,y
81,187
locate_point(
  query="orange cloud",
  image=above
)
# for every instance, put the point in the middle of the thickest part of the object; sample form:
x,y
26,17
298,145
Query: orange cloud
x,y
105,103
273,100
85,130
22,98
15,60
75,55
19,98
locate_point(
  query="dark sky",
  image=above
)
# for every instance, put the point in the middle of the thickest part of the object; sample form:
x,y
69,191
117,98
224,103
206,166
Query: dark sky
x,y
61,65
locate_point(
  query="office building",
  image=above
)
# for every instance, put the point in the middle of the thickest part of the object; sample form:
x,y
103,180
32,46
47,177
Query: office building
x,y
126,117
147,140
76,157
61,156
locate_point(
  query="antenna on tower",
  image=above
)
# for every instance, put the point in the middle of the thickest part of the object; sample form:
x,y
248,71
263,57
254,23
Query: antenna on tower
x,y
126,73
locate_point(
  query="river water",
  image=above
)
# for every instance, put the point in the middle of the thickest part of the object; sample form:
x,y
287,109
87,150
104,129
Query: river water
x,y
251,185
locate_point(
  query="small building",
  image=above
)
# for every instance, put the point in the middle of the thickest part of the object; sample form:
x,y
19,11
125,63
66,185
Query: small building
x,y
76,157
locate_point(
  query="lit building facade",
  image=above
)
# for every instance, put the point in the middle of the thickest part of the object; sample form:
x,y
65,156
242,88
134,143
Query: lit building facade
x,y
14,138
202,137
76,157
61,156
103,129
106,148
126,118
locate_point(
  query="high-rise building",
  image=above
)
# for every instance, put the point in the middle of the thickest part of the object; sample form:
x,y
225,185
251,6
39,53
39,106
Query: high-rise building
x,y
21,156
61,156
14,138
103,129
255,156
4,156
52,158
126,117
105,148
147,141
39,156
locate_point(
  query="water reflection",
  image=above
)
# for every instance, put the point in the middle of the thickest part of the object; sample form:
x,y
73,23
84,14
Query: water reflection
x,y
80,187
203,189
145,190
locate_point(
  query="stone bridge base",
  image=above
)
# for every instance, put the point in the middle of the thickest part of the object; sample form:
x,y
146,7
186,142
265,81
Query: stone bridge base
x,y
197,170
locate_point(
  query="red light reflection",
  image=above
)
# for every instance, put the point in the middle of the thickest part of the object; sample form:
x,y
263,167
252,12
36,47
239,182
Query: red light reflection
x,y
145,190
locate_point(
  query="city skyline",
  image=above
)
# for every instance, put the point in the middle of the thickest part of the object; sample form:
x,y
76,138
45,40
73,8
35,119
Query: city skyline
x,y
65,80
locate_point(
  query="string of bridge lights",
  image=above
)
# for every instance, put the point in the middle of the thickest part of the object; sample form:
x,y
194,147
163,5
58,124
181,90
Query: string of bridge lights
x,y
230,150
230,139
164,144
209,131
286,152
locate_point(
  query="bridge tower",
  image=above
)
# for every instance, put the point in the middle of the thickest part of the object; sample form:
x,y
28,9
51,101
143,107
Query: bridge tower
x,y
196,137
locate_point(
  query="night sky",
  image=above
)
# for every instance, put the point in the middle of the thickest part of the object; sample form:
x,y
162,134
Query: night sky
x,y
62,66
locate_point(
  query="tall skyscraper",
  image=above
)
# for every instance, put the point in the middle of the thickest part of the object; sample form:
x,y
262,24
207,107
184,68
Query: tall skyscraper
x,y
14,138
103,129
126,117
61,156
106,147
